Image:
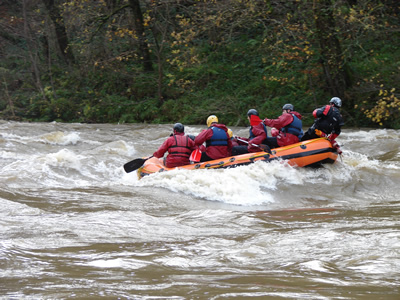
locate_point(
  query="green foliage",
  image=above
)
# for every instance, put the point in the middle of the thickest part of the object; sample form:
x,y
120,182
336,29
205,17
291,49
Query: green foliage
x,y
215,57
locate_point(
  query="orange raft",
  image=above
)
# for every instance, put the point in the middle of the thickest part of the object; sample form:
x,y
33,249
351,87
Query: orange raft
x,y
311,153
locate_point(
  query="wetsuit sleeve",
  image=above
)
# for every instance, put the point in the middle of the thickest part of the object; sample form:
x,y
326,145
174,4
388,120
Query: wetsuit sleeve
x,y
203,136
260,136
163,148
338,127
240,142
282,121
191,144
323,111
315,113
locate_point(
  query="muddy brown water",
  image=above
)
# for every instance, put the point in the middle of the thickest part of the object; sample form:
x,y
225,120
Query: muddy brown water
x,y
73,224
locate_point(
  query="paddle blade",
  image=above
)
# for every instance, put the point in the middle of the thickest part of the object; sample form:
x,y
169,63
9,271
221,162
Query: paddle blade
x,y
195,156
135,164
266,148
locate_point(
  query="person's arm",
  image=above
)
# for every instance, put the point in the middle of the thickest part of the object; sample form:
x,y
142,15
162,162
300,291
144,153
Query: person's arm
x,y
282,121
260,135
192,145
240,143
203,136
163,148
337,129
258,139
320,112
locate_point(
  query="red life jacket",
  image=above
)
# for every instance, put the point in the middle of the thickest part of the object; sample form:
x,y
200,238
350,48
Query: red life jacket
x,y
181,147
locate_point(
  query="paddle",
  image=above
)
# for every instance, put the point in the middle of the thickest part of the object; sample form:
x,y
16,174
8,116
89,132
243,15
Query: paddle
x,y
135,164
195,156
261,146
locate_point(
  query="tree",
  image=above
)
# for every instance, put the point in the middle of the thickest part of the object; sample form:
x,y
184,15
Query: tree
x,y
332,57
60,30
139,27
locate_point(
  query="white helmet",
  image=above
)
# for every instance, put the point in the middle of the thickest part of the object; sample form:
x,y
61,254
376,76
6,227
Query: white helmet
x,y
336,101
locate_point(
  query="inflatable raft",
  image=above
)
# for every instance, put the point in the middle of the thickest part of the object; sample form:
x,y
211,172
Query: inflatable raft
x,y
311,153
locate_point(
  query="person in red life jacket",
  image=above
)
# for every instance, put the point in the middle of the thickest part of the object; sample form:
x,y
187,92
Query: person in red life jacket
x,y
285,130
328,123
257,135
216,137
179,147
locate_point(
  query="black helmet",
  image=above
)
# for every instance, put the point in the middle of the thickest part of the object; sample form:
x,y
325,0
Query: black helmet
x,y
336,101
178,127
288,107
252,112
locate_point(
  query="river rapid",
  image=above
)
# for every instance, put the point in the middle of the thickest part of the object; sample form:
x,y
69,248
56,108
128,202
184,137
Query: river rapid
x,y
73,224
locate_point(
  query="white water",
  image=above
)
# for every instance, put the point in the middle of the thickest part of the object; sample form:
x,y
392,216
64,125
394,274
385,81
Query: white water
x,y
74,224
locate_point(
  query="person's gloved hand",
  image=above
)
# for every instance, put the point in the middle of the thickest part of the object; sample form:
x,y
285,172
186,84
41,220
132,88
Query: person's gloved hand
x,y
336,146
339,151
333,136
274,131
320,133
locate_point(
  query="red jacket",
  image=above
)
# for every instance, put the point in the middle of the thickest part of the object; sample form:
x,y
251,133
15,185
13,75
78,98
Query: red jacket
x,y
214,152
259,136
284,138
179,147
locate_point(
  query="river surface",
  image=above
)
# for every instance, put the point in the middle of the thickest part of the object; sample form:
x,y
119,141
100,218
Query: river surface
x,y
74,225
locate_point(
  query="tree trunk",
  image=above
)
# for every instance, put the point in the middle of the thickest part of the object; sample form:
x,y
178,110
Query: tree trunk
x,y
144,49
331,53
32,54
61,32
10,102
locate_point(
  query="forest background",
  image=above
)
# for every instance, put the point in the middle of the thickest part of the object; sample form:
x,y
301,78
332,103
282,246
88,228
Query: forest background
x,y
167,61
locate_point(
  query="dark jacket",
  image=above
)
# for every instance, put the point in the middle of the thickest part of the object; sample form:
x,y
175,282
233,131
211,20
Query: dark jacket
x,y
328,119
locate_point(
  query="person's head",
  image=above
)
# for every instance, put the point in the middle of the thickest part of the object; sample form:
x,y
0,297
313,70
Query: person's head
x,y
178,127
211,120
253,117
230,133
252,112
287,108
336,101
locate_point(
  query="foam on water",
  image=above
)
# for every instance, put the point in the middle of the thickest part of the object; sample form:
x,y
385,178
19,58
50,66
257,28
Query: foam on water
x,y
60,138
370,135
53,138
262,183
245,185
256,184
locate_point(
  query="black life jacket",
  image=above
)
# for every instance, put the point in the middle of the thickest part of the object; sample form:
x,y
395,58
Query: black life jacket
x,y
330,118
